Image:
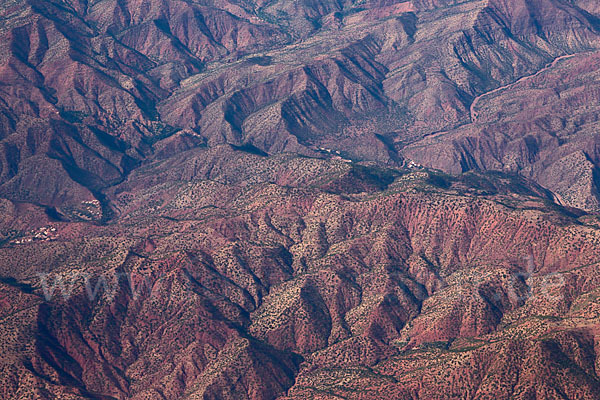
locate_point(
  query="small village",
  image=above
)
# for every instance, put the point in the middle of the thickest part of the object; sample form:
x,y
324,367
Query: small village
x,y
42,234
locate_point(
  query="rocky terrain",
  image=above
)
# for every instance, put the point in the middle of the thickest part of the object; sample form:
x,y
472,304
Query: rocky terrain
x,y
299,199
91,90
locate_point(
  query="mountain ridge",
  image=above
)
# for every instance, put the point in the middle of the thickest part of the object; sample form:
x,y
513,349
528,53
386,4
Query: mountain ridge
x,y
291,200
